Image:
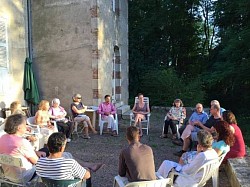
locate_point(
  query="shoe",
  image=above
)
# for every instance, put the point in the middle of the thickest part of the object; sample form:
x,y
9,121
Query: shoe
x,y
174,137
114,134
179,153
85,137
177,142
164,136
68,140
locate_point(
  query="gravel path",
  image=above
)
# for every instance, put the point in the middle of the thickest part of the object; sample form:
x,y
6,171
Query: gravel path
x,y
106,149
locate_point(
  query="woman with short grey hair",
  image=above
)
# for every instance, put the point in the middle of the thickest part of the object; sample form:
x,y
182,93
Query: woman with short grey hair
x,y
205,153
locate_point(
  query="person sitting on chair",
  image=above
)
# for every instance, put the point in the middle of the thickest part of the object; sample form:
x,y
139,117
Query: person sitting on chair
x,y
58,114
108,110
190,132
205,153
197,115
15,145
60,165
140,110
176,115
136,162
78,110
223,139
42,119
238,150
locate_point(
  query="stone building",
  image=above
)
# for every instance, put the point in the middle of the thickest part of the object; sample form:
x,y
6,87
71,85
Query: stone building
x,y
78,46
13,50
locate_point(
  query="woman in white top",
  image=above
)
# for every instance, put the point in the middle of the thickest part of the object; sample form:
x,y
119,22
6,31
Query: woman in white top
x,y
58,114
205,153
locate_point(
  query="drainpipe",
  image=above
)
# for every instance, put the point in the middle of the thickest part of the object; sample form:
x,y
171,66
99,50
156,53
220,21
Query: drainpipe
x,y
29,29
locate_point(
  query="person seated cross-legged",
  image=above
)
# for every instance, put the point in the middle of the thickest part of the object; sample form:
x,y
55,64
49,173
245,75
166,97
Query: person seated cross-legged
x,y
78,110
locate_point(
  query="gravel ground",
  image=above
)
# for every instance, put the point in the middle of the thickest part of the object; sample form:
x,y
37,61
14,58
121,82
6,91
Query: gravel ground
x,y
106,149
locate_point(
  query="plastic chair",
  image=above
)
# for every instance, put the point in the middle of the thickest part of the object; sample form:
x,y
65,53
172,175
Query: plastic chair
x,y
178,125
11,161
147,120
209,169
118,182
216,173
61,183
101,122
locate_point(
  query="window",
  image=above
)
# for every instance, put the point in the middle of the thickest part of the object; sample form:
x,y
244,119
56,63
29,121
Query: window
x,y
3,43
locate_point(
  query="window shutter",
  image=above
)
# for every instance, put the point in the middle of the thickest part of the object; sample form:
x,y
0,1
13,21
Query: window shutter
x,y
3,43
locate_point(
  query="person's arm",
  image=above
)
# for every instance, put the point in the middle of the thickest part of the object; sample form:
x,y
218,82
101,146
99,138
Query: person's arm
x,y
133,109
183,113
194,164
79,111
198,123
122,166
100,111
80,172
169,114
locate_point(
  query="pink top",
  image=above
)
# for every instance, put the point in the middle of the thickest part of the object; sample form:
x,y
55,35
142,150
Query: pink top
x,y
106,107
19,147
238,150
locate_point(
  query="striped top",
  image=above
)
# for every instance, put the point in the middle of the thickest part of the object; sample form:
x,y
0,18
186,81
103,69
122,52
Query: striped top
x,y
59,168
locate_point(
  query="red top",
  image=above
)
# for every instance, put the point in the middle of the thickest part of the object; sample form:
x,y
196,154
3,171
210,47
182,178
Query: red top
x,y
238,149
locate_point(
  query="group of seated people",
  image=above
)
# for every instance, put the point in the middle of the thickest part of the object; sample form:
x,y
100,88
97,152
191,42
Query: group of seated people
x,y
216,135
200,120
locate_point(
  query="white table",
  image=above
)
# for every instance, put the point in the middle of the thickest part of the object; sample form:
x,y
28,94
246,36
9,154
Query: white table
x,y
91,112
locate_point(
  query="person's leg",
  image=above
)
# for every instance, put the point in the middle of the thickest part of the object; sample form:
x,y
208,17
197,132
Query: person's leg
x,y
111,122
173,127
136,119
187,132
166,125
90,125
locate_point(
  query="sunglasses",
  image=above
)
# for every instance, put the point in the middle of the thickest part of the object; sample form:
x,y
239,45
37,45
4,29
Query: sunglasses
x,y
79,98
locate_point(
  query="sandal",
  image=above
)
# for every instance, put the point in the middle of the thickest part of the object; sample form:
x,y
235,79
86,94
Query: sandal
x,y
86,137
163,136
114,134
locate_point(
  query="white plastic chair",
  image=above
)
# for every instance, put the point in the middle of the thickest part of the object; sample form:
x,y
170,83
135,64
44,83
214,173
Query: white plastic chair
x,y
178,125
216,173
11,161
147,120
101,122
34,127
118,182
208,170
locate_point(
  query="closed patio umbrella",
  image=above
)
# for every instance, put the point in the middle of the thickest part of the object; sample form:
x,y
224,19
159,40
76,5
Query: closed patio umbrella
x,y
31,93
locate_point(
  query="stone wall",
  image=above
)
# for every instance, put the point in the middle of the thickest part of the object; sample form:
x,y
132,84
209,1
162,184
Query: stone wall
x,y
11,79
73,43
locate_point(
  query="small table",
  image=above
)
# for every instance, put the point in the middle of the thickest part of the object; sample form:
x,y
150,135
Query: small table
x,y
91,112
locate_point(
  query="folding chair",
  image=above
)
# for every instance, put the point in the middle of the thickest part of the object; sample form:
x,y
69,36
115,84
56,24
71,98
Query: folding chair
x,y
11,161
62,183
147,120
101,122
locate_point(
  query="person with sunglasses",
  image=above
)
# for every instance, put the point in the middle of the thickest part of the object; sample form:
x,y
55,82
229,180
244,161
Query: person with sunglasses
x,y
78,110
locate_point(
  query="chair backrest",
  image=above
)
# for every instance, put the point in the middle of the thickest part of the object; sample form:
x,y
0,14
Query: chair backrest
x,y
209,169
31,120
59,183
10,160
153,183
221,157
145,99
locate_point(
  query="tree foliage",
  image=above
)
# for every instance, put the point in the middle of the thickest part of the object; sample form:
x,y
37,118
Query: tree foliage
x,y
196,50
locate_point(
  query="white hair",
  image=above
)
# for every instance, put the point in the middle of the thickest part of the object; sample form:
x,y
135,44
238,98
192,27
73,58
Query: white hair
x,y
55,100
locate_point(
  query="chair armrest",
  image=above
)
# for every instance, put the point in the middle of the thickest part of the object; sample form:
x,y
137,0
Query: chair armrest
x,y
158,176
149,114
118,180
